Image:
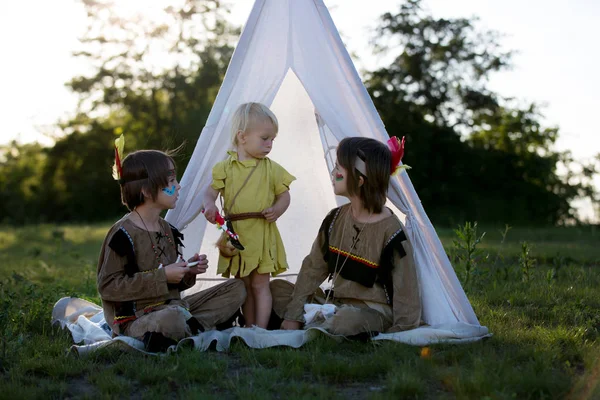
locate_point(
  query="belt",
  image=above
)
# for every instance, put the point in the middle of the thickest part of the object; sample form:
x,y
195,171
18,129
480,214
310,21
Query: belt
x,y
248,215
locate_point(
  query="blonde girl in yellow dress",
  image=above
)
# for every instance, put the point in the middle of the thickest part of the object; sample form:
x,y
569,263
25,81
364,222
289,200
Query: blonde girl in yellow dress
x,y
255,193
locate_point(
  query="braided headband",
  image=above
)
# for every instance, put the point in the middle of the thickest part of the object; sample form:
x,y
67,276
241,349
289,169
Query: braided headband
x,y
396,148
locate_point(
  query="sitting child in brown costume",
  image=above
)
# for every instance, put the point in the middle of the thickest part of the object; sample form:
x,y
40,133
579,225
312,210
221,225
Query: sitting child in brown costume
x,y
140,270
361,247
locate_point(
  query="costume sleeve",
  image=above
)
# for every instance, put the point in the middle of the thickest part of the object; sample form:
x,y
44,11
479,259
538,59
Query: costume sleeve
x,y
218,176
114,284
312,273
407,298
187,282
281,179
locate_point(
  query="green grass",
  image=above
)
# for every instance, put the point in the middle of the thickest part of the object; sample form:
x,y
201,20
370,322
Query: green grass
x,y
575,243
545,342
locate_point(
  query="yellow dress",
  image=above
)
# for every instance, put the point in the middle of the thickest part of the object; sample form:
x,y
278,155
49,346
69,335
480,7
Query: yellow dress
x,y
263,247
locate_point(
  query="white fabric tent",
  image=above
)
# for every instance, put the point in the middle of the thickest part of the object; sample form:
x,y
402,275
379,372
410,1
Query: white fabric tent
x,y
290,57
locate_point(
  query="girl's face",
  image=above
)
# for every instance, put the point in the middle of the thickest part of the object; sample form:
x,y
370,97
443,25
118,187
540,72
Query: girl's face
x,y
338,180
257,140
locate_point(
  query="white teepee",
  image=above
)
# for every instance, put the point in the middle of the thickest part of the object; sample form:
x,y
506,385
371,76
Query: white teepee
x,y
290,57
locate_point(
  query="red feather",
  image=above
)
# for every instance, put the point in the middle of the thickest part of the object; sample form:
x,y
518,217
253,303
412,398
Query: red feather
x,y
397,148
219,220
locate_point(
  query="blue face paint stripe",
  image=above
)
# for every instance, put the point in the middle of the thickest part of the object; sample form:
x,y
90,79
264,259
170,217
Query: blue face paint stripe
x,y
169,191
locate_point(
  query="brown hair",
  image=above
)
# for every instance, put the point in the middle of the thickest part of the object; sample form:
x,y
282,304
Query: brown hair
x,y
147,170
377,158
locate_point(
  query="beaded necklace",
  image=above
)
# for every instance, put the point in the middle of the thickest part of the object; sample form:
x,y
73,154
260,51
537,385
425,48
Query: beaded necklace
x,y
159,236
352,247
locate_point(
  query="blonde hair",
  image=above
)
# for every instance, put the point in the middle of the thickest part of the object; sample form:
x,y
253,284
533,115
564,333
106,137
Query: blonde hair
x,y
249,113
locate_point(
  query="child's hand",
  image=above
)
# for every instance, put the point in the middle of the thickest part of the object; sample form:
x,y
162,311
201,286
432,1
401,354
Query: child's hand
x,y
198,264
282,202
210,213
176,271
272,213
288,325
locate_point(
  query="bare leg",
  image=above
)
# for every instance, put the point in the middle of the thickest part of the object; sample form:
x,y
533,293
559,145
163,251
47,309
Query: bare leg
x,y
263,301
248,306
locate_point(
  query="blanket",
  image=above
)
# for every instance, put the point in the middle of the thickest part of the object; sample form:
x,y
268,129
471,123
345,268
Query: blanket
x,y
85,321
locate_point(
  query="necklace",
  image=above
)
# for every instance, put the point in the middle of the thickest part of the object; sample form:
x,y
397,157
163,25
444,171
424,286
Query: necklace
x,y
352,246
159,236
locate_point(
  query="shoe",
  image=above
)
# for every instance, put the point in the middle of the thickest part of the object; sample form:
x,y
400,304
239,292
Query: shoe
x,y
156,342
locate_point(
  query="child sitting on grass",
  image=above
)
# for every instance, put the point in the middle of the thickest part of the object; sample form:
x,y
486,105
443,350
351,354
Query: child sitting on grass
x,y
140,270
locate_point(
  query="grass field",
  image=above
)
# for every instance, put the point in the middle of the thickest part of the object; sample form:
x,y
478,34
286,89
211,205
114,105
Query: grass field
x,y
541,305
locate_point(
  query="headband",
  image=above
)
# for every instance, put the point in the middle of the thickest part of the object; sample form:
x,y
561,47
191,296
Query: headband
x,y
396,148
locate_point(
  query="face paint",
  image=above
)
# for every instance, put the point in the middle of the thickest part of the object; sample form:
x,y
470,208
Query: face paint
x,y
339,177
169,191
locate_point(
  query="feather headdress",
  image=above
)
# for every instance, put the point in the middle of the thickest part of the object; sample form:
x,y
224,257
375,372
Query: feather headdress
x,y
396,146
117,168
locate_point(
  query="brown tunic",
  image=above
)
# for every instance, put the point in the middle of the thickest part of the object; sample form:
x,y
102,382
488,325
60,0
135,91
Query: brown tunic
x,y
365,250
141,290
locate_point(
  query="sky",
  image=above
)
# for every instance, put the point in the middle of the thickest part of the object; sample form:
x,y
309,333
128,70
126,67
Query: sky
x,y
556,64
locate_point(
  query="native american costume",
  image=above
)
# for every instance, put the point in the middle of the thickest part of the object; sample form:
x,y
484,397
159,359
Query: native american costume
x,y
136,297
374,279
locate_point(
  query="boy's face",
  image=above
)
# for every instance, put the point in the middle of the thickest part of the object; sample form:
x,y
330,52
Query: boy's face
x,y
167,197
338,180
257,140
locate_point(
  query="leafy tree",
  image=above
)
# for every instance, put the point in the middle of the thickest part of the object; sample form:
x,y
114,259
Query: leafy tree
x,y
156,76
20,183
440,66
476,155
154,79
78,172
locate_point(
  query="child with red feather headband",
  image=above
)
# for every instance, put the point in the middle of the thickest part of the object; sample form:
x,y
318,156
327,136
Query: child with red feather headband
x,y
361,247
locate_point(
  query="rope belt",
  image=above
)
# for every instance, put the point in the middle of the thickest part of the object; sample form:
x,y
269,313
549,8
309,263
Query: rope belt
x,y
248,215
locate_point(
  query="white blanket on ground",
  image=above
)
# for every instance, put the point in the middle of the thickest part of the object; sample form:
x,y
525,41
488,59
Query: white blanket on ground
x,y
86,322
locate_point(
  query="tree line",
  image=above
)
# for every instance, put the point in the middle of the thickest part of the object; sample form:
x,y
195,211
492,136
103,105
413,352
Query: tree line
x,y
475,155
